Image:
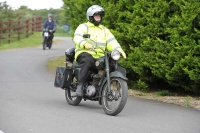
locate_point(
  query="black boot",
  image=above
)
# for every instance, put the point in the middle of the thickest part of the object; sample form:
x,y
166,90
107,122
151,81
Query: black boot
x,y
79,90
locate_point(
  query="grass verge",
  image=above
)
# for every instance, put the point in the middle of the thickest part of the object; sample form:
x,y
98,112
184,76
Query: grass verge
x,y
54,62
31,41
164,95
179,99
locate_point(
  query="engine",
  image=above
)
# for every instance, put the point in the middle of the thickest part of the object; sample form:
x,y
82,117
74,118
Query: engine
x,y
90,91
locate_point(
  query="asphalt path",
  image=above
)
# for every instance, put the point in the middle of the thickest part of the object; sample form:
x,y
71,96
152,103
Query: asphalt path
x,y
29,102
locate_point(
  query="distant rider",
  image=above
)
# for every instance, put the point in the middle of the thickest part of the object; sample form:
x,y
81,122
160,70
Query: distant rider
x,y
51,25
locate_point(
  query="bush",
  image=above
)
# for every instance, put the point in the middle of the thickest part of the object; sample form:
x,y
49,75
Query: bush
x,y
160,37
162,93
140,85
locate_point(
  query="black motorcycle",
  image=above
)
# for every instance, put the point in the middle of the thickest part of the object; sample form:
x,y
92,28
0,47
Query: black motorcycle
x,y
106,84
47,42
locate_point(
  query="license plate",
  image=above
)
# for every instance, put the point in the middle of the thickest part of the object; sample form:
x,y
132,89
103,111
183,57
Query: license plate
x,y
46,34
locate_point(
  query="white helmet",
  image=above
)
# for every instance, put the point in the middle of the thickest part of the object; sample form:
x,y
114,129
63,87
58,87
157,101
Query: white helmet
x,y
50,15
95,9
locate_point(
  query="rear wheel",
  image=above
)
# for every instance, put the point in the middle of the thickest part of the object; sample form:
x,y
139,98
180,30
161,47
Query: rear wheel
x,y
70,97
114,101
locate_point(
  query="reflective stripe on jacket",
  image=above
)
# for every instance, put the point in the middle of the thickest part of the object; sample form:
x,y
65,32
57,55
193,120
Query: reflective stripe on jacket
x,y
100,36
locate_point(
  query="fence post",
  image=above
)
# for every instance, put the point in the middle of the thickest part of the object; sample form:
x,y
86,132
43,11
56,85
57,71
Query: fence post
x,y
33,25
18,30
0,32
39,21
27,27
36,22
9,27
39,24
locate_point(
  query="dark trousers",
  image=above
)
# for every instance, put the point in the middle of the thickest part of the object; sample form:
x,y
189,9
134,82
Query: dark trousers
x,y
52,35
86,61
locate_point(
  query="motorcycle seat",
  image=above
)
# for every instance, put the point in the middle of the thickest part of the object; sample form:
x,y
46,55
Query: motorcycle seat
x,y
76,65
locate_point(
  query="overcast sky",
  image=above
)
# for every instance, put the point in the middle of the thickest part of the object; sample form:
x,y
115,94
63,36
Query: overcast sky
x,y
35,4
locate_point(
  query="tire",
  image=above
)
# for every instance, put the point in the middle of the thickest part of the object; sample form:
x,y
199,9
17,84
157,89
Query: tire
x,y
121,94
50,45
72,100
45,43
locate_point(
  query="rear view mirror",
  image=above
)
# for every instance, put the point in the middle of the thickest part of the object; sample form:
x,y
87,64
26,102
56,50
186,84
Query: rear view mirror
x,y
86,35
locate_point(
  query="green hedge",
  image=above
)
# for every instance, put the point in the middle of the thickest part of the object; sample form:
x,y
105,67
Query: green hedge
x,y
160,37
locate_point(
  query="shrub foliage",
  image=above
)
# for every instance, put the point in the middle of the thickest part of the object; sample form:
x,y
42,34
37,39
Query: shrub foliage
x,y
160,37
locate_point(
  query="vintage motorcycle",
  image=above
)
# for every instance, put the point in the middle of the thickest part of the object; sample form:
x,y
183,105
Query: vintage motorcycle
x,y
106,84
47,42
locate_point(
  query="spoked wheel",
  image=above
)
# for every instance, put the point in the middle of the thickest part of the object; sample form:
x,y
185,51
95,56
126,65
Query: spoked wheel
x,y
45,43
114,101
69,94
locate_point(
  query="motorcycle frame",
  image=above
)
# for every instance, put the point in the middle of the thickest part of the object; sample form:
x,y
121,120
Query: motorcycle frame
x,y
109,75
104,80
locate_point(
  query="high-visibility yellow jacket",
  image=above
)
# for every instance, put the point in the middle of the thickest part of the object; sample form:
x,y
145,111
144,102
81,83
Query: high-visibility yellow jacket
x,y
100,36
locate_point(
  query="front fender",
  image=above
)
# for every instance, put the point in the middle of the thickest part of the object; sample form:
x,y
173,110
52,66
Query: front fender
x,y
115,74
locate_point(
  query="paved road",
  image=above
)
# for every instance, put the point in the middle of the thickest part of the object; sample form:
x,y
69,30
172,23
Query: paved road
x,y
30,103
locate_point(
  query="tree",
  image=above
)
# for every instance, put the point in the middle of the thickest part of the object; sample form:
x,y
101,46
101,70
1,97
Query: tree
x,y
161,38
6,12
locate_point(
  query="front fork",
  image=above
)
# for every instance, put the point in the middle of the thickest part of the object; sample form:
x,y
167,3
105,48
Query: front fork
x,y
107,72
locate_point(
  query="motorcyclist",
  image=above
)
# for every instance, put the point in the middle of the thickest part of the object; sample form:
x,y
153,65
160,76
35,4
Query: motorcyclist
x,y
51,25
100,36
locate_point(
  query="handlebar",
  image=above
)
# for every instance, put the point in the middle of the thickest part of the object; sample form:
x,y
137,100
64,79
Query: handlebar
x,y
48,30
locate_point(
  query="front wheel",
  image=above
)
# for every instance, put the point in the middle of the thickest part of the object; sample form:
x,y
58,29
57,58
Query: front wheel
x,y
44,43
50,44
71,100
114,101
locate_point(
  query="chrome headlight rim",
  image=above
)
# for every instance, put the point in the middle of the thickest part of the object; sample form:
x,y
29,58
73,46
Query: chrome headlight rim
x,y
115,54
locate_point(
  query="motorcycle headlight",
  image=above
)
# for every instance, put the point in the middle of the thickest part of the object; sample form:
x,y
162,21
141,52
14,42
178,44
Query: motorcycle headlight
x,y
115,55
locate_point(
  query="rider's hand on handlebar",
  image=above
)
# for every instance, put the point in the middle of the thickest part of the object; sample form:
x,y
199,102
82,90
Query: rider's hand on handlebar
x,y
122,52
88,46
